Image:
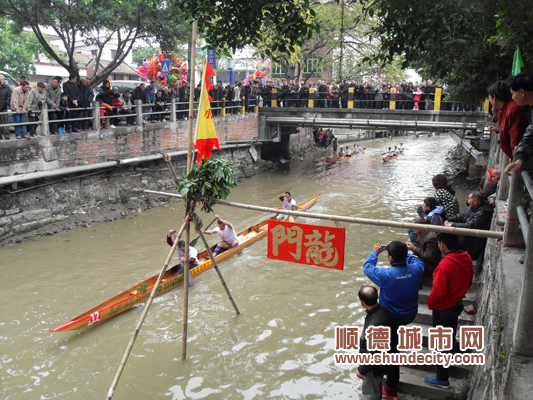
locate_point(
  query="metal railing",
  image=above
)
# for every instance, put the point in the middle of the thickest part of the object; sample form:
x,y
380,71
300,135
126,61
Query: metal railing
x,y
176,110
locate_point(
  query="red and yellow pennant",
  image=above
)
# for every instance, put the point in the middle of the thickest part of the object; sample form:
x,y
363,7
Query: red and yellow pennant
x,y
206,136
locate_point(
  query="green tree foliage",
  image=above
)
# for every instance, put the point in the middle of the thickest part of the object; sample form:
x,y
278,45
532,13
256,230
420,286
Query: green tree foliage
x,y
339,47
140,53
18,50
98,23
232,24
466,43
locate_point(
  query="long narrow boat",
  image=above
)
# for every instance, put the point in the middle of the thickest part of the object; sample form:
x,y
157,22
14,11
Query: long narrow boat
x,y
388,158
136,295
335,159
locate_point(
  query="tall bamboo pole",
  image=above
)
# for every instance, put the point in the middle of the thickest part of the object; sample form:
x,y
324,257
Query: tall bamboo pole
x,y
216,268
355,220
192,68
111,391
186,292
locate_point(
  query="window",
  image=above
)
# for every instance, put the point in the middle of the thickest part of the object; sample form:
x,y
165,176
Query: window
x,y
118,77
277,71
94,52
312,65
113,54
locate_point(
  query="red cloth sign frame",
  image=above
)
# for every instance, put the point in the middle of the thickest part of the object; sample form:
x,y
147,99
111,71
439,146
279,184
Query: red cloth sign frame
x,y
318,245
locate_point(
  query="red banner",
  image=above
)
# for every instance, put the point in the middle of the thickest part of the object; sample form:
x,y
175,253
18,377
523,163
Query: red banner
x,y
306,244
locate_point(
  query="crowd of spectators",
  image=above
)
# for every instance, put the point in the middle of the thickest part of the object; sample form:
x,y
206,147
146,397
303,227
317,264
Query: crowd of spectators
x,y
409,96
69,104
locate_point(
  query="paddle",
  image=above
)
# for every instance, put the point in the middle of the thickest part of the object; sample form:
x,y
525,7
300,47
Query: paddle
x,y
193,243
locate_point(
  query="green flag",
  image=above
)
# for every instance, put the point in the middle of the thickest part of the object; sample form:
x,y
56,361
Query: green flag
x,y
517,62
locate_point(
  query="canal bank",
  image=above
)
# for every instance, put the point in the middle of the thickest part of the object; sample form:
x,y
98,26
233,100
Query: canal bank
x,y
56,183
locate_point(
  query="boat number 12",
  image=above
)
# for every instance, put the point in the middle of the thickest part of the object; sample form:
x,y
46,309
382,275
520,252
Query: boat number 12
x,y
94,318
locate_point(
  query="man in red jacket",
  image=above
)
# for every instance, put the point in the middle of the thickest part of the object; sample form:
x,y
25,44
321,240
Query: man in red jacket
x,y
451,280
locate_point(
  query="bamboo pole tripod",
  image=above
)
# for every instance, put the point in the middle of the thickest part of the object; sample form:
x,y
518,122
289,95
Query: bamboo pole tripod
x,y
184,226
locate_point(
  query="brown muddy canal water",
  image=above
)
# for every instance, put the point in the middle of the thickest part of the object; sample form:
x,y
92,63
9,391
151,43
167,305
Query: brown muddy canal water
x,y
282,344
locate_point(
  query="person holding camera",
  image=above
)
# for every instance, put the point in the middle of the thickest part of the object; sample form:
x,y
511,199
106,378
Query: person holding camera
x,y
288,203
399,286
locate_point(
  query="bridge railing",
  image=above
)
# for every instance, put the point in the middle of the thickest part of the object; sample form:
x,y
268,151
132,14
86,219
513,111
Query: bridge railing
x,y
371,100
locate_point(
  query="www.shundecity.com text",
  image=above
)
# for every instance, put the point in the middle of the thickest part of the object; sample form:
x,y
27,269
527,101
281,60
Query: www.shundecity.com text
x,y
414,358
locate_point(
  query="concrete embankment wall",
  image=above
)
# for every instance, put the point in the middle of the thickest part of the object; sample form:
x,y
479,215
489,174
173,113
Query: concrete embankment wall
x,y
49,205
504,375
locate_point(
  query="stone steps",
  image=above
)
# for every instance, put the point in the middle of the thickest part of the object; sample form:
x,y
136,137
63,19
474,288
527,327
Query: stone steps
x,y
424,316
412,382
426,290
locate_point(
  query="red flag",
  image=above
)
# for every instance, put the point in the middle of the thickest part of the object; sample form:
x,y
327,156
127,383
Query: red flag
x,y
208,72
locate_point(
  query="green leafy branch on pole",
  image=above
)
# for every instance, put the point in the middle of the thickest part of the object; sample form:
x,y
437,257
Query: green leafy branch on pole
x,y
211,181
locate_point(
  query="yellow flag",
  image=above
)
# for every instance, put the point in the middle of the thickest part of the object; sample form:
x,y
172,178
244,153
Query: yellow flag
x,y
206,136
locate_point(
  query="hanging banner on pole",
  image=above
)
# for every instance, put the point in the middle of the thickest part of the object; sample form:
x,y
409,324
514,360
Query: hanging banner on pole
x,y
212,58
318,245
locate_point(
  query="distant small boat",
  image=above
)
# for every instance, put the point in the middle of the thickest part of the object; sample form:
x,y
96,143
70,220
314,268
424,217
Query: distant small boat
x,y
388,158
141,292
335,159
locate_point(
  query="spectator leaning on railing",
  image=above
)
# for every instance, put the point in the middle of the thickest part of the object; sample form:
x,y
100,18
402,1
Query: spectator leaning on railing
x,y
5,99
126,109
73,92
19,98
36,99
53,97
522,90
85,100
149,92
512,119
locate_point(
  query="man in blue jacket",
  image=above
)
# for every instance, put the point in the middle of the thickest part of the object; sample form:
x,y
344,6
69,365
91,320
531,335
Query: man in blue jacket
x,y
399,286
150,92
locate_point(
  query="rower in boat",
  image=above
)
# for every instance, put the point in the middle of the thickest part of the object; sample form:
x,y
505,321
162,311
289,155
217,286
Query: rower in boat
x,y
193,256
227,234
391,152
288,204
395,151
357,149
400,149
341,153
347,152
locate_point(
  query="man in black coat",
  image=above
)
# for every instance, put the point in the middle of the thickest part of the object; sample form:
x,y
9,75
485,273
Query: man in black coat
x,y
286,94
477,215
5,100
84,101
303,95
72,90
376,315
322,93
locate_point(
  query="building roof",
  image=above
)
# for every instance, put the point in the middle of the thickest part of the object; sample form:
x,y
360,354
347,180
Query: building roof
x,y
122,68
